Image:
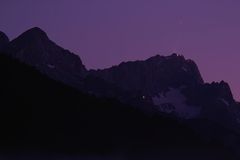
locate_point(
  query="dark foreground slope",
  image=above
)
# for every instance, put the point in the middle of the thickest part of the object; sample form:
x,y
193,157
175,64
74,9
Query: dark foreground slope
x,y
40,114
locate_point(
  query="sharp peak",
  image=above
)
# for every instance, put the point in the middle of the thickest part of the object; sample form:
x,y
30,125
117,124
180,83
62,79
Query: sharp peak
x,y
35,31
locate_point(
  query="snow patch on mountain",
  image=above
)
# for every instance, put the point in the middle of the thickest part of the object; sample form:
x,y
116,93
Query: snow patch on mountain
x,y
51,66
184,69
173,102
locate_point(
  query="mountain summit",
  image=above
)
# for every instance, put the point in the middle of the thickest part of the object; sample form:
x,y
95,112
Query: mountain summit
x,y
174,86
33,47
153,75
36,33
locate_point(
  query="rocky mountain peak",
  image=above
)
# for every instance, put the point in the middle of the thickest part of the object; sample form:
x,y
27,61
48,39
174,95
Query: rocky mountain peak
x,y
35,38
34,48
36,33
154,74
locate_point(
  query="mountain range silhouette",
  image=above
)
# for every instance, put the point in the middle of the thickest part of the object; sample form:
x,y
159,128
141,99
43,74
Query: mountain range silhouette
x,y
51,102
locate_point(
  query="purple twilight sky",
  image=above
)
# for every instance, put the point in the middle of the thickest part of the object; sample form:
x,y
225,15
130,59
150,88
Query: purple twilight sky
x,y
107,32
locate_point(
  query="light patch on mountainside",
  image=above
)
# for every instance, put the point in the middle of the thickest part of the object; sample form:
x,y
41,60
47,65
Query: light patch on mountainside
x,y
51,66
173,101
184,69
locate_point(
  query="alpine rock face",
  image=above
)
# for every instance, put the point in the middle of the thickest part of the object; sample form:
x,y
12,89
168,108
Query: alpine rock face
x,y
153,75
158,80
174,86
34,48
166,84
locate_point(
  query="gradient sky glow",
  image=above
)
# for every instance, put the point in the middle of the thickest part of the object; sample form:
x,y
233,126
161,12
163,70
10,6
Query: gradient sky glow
x,y
107,32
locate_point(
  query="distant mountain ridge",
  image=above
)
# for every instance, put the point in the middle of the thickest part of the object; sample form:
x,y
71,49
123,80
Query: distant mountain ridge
x,y
164,85
156,81
41,115
153,75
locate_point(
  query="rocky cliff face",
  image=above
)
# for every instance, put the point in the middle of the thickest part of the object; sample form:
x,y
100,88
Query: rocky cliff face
x,y
33,47
174,86
163,85
172,83
153,75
